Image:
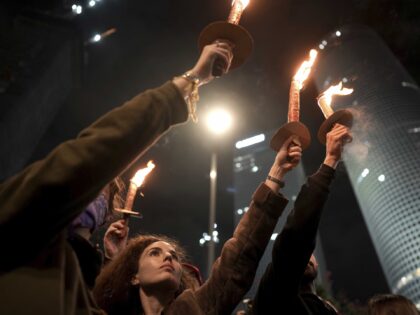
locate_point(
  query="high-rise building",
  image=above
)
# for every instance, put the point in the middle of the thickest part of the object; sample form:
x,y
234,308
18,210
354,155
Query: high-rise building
x,y
383,161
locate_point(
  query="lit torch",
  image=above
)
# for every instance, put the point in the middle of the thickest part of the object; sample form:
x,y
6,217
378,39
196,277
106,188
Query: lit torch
x,y
135,183
297,84
238,7
232,32
294,127
343,117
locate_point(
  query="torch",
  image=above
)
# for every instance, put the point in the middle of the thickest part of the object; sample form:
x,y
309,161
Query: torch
x,y
135,183
294,127
231,31
343,116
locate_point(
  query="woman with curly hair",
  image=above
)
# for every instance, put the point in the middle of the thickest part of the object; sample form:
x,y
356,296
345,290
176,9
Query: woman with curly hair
x,y
43,272
147,277
117,288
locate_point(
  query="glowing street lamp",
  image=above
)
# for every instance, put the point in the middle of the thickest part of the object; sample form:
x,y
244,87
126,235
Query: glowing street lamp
x,y
219,121
100,36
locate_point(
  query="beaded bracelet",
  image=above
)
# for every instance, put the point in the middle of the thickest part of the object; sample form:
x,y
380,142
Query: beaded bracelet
x,y
193,98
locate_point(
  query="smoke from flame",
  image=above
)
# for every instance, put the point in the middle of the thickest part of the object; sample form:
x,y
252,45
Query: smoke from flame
x,y
305,69
141,174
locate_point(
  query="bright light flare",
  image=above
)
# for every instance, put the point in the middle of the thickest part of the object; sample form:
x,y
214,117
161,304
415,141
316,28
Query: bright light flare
x,y
141,174
77,9
219,121
250,141
305,69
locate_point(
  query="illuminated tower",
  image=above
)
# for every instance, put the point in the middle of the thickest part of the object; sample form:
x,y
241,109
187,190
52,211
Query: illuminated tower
x,y
384,160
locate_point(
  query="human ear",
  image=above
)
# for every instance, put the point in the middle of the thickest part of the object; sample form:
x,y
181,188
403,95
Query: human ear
x,y
135,281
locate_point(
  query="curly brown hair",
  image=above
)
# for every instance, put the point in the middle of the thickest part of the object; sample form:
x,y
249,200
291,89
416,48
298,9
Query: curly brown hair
x,y
391,304
114,291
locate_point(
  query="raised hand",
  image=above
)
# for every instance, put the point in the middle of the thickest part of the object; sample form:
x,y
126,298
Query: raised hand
x,y
115,238
286,159
336,139
218,54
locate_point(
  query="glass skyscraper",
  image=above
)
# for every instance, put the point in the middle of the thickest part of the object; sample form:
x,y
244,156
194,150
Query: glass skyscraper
x,y
383,161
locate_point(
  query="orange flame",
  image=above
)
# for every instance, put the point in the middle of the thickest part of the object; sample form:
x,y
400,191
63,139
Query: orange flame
x,y
325,99
244,3
141,174
238,7
335,90
305,69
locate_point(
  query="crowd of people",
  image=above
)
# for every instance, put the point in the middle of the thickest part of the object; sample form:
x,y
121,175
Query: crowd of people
x,y
58,202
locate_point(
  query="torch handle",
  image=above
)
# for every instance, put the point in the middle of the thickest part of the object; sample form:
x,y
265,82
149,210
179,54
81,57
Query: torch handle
x,y
295,142
126,218
294,102
219,67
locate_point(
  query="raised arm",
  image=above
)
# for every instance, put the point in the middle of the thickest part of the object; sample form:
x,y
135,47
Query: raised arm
x,y
233,272
295,244
42,199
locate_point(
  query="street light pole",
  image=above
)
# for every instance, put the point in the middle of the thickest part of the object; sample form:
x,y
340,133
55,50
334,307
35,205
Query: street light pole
x,y
212,211
218,122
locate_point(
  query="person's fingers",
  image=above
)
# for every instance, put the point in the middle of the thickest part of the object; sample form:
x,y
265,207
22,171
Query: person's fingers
x,y
224,46
295,148
338,130
111,230
118,224
338,126
124,232
223,42
225,54
342,134
291,142
295,155
337,134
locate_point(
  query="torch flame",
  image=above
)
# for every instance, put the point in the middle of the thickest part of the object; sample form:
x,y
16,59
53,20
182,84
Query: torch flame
x,y
141,174
244,3
334,90
305,69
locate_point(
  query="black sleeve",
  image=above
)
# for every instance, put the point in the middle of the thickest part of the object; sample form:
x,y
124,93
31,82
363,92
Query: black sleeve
x,y
295,244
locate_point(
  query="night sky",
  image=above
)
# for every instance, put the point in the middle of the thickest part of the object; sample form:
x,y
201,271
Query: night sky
x,y
157,39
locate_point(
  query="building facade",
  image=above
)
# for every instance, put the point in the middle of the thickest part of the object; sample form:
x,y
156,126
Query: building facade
x,y
383,161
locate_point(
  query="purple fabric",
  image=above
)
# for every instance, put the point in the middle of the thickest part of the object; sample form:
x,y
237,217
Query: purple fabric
x,y
94,215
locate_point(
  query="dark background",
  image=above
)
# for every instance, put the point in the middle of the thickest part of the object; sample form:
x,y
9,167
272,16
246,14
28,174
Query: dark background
x,y
156,40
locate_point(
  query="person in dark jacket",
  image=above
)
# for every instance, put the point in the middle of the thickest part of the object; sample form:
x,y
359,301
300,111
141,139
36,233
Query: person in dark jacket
x,y
147,276
287,286
39,270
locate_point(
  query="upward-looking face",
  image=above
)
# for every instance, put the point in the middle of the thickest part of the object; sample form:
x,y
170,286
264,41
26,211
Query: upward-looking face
x,y
311,270
159,267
